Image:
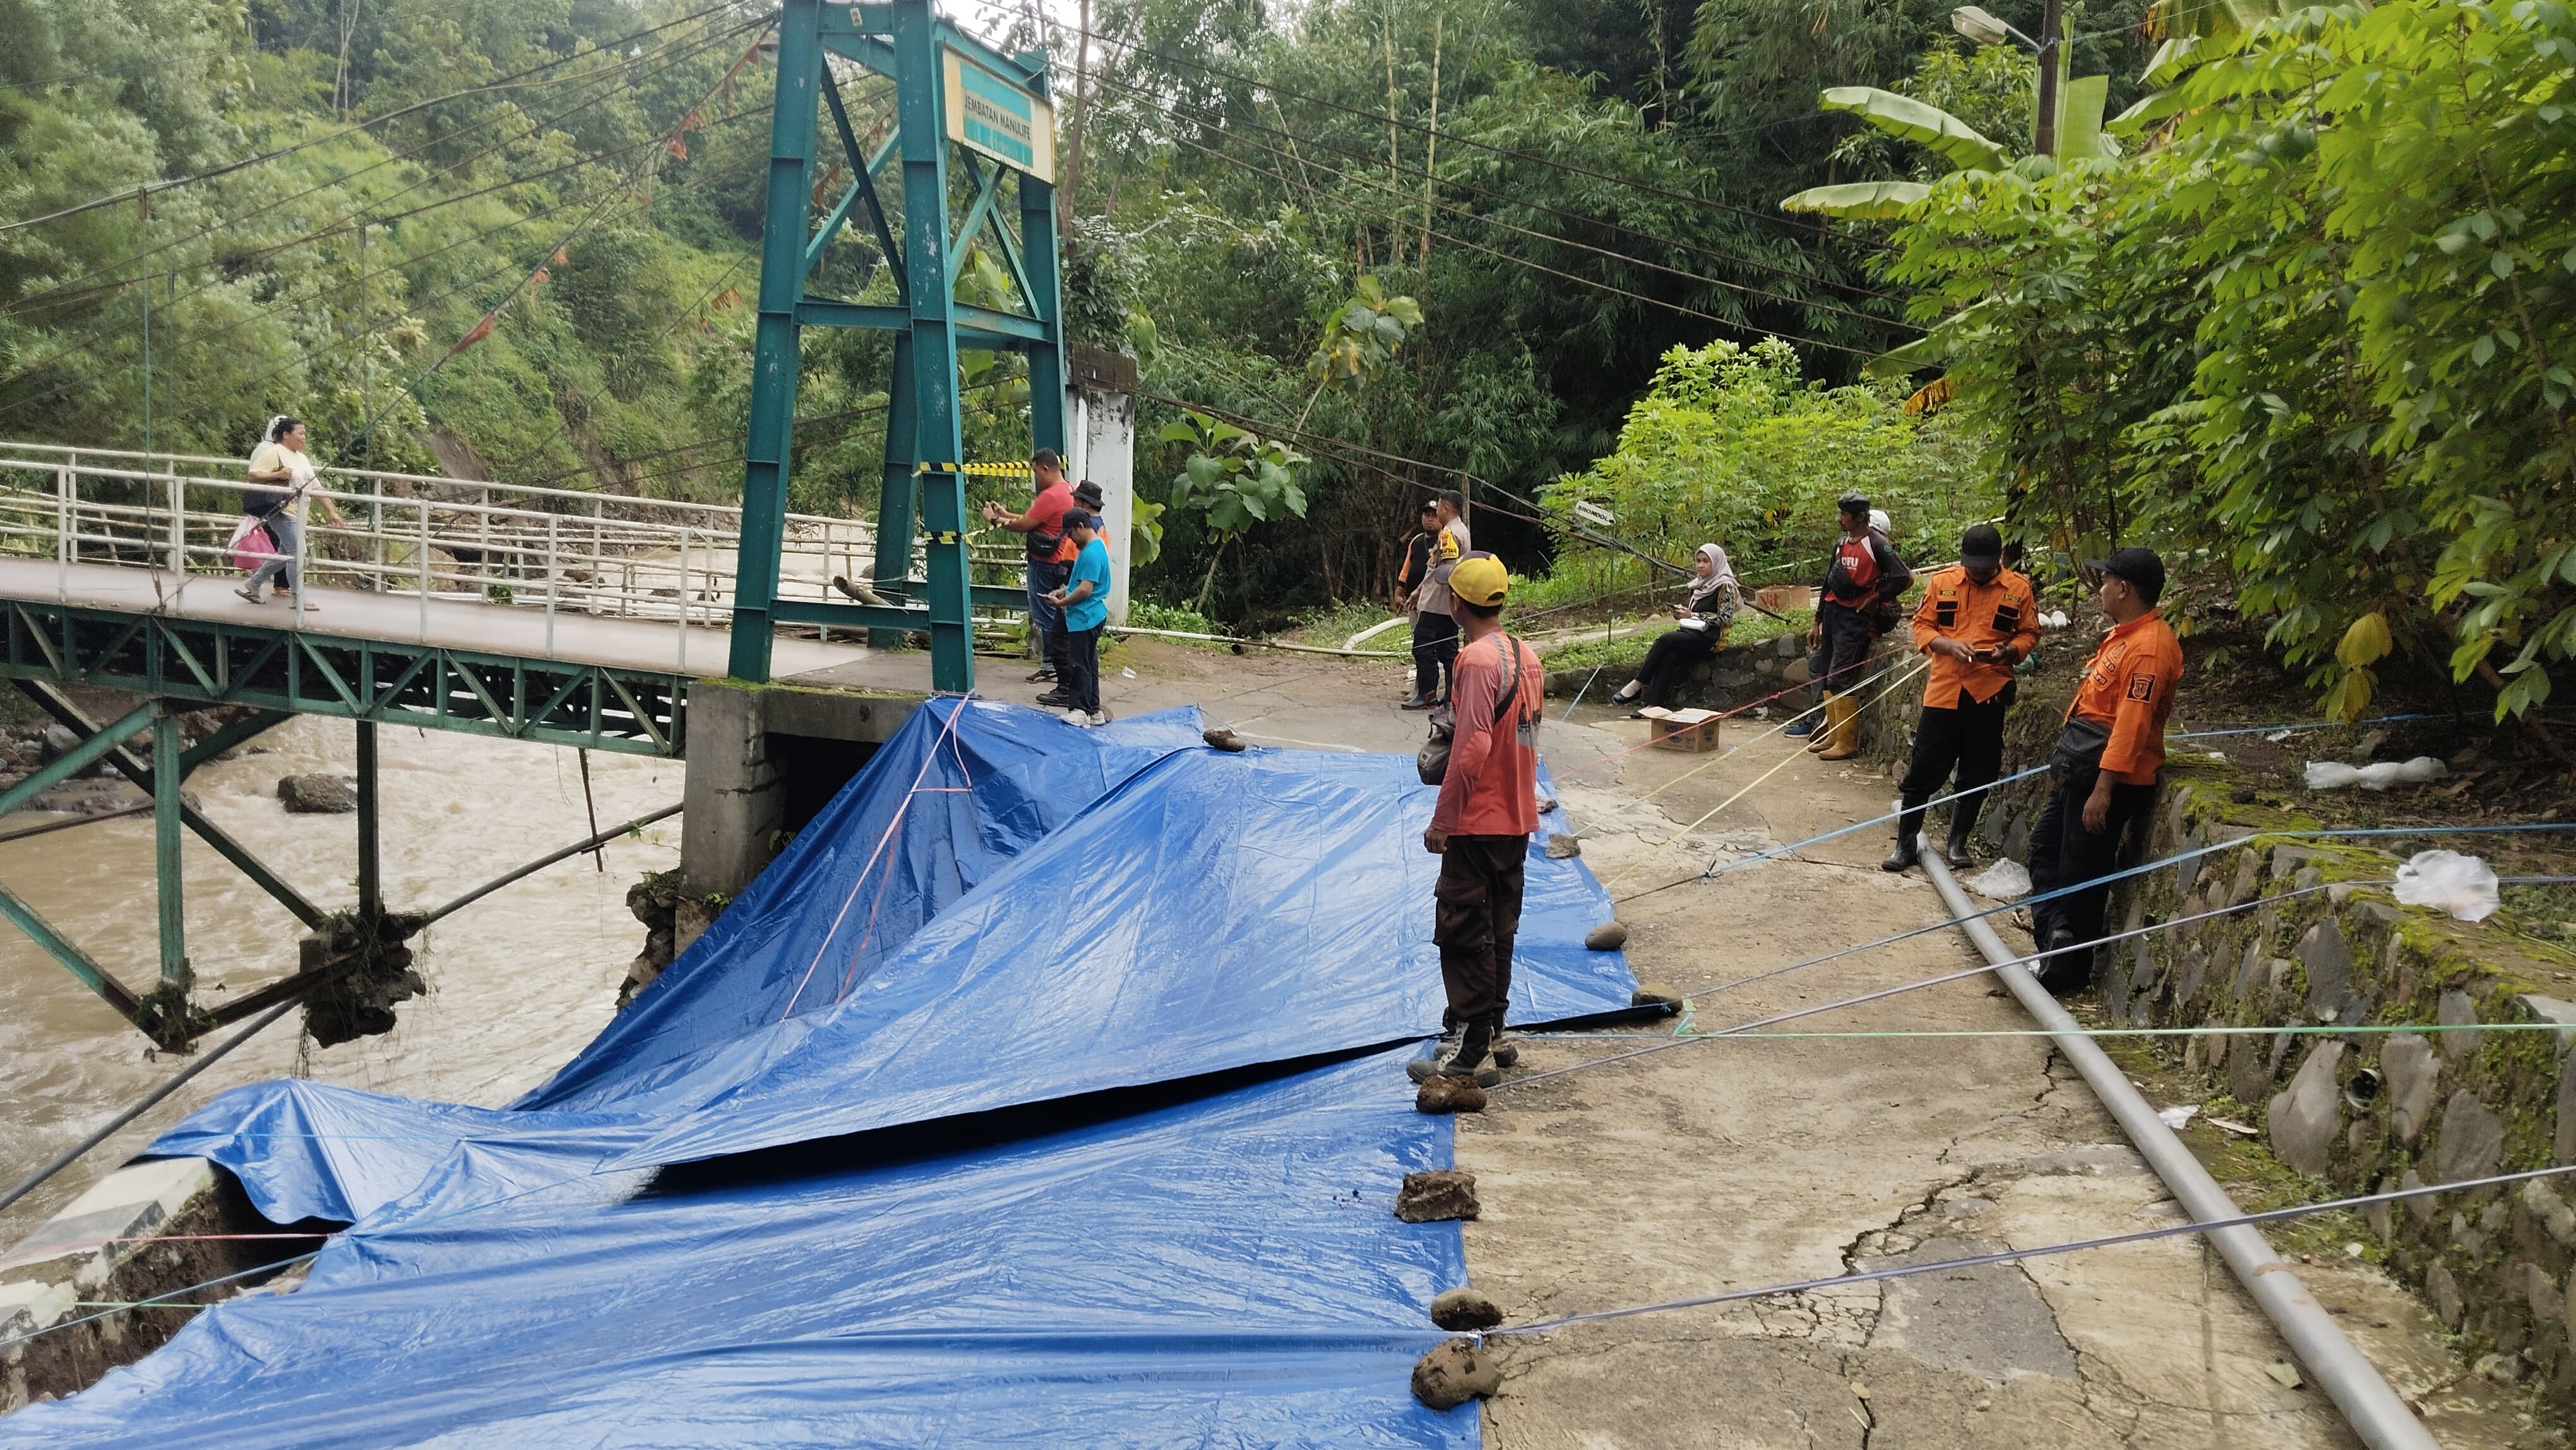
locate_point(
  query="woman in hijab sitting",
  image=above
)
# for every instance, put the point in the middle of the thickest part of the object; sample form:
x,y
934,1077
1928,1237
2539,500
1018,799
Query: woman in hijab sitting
x,y
1704,615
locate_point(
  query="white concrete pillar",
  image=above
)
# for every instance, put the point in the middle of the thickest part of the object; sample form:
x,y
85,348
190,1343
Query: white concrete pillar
x,y
1100,437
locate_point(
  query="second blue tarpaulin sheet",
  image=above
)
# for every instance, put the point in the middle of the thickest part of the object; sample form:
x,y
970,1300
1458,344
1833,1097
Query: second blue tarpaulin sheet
x,y
999,911
1222,1272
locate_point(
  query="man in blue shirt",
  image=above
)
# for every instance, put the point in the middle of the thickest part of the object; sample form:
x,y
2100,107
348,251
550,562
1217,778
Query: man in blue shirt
x,y
1085,601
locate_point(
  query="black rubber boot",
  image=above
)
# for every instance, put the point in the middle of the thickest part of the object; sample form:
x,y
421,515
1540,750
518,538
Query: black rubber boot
x,y
1963,828
1506,1053
1909,824
2068,968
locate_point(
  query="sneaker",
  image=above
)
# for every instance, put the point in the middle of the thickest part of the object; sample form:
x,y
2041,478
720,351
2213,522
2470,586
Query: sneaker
x,y
1099,717
1041,673
1077,717
1801,730
1055,699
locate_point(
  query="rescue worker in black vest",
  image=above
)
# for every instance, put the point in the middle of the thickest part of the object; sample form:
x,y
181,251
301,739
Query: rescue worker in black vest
x,y
1977,620
1863,577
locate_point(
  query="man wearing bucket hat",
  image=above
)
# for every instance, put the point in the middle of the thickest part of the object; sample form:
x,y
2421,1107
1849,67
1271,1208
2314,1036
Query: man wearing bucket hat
x,y
1977,620
1481,827
2108,756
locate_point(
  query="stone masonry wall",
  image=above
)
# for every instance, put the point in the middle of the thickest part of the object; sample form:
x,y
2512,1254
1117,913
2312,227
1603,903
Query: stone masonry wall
x,y
2364,1112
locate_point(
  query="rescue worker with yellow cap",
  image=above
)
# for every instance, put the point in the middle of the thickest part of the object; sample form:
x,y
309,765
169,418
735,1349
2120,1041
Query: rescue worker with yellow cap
x,y
1481,827
1977,620
2108,757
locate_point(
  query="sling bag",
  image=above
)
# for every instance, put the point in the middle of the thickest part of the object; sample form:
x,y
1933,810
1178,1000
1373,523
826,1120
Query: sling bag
x,y
1431,762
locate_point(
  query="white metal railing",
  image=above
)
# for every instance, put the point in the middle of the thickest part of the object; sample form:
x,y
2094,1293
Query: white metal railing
x,y
563,551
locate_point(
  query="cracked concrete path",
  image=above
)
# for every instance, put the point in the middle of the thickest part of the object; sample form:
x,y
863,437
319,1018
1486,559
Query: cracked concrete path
x,y
1724,1165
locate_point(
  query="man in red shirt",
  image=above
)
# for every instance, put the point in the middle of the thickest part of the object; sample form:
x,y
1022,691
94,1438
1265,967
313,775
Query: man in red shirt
x,y
1488,806
1043,525
2107,760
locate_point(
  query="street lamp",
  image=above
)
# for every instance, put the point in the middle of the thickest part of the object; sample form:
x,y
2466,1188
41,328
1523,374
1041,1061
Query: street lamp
x,y
1986,29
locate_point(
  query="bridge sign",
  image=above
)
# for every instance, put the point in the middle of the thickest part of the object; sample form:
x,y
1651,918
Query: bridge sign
x,y
992,116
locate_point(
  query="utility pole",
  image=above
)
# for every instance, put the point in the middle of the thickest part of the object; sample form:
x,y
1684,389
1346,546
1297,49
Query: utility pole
x,y
2052,55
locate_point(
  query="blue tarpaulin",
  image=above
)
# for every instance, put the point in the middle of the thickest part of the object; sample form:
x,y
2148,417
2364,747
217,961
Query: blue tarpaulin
x,y
1000,911
1225,1272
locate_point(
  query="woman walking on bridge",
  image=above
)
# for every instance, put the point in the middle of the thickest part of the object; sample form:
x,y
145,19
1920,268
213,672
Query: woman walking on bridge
x,y
280,475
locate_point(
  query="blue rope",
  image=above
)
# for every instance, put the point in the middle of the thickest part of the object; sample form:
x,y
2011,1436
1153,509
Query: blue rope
x,y
2157,865
1578,695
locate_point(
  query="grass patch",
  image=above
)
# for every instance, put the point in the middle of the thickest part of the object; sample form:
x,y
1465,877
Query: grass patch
x,y
1584,651
1333,625
2245,1167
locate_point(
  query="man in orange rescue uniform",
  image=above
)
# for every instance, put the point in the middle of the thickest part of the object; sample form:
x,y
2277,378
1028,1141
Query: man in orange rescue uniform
x,y
2107,758
1977,620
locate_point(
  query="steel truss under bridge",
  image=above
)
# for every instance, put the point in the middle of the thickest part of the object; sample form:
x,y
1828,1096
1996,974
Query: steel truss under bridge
x,y
596,707
962,111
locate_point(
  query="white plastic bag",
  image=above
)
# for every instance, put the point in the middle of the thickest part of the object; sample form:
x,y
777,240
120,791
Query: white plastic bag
x,y
2379,775
2006,880
2464,886
2054,619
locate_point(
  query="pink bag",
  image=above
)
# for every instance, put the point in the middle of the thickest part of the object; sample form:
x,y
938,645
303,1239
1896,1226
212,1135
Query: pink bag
x,y
251,545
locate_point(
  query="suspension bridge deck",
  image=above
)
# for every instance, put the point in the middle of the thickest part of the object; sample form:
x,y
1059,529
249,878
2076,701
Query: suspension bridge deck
x,y
562,676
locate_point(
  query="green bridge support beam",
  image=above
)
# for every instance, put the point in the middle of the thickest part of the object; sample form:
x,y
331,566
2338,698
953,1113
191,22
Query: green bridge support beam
x,y
922,485
167,832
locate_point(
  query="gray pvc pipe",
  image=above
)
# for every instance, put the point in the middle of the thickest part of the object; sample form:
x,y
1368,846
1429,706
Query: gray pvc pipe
x,y
2376,1414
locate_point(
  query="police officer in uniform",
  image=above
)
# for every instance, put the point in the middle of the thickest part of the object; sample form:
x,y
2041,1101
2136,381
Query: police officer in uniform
x,y
2107,760
1977,620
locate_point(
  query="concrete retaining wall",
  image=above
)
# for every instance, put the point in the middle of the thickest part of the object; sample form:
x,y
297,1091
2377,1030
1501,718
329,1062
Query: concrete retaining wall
x,y
123,1241
2361,1113
1735,674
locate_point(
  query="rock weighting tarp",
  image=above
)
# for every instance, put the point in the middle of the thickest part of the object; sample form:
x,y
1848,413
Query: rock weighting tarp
x,y
1000,910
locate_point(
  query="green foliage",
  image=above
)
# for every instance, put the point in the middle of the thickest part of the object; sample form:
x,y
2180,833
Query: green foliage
x,y
1735,445
267,297
1232,479
1928,126
1363,334
2316,335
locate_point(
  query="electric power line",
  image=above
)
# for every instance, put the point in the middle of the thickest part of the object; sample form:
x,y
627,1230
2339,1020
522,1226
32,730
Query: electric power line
x,y
508,265
1223,124
338,227
1520,261
1405,200
71,288
1378,118
505,82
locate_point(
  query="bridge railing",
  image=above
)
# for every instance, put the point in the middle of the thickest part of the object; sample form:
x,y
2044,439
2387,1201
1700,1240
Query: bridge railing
x,y
565,551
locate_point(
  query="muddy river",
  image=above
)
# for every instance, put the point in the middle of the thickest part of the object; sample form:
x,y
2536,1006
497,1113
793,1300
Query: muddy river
x,y
519,980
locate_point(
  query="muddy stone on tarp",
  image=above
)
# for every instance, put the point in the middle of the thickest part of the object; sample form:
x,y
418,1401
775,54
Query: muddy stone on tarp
x,y
1457,1371
1437,1195
1447,1093
1609,936
1465,1309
